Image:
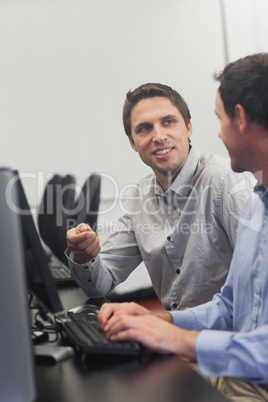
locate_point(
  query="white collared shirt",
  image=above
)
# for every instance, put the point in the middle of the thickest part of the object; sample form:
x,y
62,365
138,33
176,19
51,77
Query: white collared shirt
x,y
185,236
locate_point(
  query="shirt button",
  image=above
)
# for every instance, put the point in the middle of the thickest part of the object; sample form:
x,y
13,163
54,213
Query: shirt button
x,y
93,260
214,368
177,271
168,238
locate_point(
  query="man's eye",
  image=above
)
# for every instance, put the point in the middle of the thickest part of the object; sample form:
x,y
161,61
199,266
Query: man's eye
x,y
169,121
143,129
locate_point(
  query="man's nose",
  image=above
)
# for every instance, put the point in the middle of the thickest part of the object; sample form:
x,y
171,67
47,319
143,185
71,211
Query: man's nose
x,y
159,134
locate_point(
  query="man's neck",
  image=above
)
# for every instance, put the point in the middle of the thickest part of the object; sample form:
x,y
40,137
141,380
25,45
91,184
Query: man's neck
x,y
261,179
259,147
166,180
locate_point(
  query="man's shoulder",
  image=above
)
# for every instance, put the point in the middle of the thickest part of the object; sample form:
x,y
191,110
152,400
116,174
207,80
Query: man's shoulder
x,y
144,185
213,165
146,182
148,179
214,162
217,168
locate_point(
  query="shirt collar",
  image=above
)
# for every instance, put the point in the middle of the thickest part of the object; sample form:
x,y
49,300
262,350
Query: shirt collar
x,y
261,190
182,182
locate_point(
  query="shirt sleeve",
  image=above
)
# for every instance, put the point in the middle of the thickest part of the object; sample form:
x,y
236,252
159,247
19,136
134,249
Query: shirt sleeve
x,y
119,256
220,351
215,314
84,276
234,354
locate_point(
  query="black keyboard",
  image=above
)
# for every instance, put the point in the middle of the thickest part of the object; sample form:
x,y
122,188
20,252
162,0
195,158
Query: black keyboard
x,y
85,335
61,274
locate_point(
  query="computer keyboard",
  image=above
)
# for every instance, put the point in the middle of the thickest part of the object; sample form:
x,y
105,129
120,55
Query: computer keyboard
x,y
60,273
83,331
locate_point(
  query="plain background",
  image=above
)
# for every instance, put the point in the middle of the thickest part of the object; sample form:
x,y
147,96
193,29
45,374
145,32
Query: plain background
x,y
66,65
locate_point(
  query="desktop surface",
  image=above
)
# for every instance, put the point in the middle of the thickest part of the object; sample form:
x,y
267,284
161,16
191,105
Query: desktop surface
x,y
150,378
155,379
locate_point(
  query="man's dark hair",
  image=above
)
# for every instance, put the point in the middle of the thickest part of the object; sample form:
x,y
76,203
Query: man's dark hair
x,y
245,82
151,90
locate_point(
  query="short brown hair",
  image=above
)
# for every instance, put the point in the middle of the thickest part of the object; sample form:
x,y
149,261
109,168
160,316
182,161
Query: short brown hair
x,y
245,82
151,90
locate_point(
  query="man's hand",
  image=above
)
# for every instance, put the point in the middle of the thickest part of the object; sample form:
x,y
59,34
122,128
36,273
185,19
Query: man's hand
x,y
83,243
129,321
111,311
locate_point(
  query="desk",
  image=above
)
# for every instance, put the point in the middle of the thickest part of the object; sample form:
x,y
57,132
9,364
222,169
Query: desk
x,y
153,378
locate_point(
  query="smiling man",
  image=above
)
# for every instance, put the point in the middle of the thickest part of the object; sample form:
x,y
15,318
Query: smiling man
x,y
181,220
228,336
161,137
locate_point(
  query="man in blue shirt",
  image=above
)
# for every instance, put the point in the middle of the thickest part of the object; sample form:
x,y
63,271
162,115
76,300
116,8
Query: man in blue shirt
x,y
228,336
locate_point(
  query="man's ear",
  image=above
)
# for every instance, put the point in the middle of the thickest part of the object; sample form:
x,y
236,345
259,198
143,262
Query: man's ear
x,y
241,118
132,144
189,129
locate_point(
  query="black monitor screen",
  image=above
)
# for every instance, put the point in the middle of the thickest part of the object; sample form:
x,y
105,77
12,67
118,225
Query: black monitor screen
x,y
17,379
39,279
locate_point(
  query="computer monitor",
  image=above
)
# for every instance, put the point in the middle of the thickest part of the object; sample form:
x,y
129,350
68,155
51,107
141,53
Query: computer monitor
x,y
39,279
17,380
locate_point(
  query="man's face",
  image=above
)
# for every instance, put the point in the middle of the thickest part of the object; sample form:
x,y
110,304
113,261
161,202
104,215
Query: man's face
x,y
160,136
229,133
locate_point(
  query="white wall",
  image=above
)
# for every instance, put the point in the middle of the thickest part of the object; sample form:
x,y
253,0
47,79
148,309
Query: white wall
x,y
66,65
246,27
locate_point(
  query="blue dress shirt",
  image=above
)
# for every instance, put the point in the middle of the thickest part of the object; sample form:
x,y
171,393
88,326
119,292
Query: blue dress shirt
x,y
233,341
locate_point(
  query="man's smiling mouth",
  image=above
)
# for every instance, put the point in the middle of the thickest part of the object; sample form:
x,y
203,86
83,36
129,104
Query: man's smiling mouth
x,y
162,151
